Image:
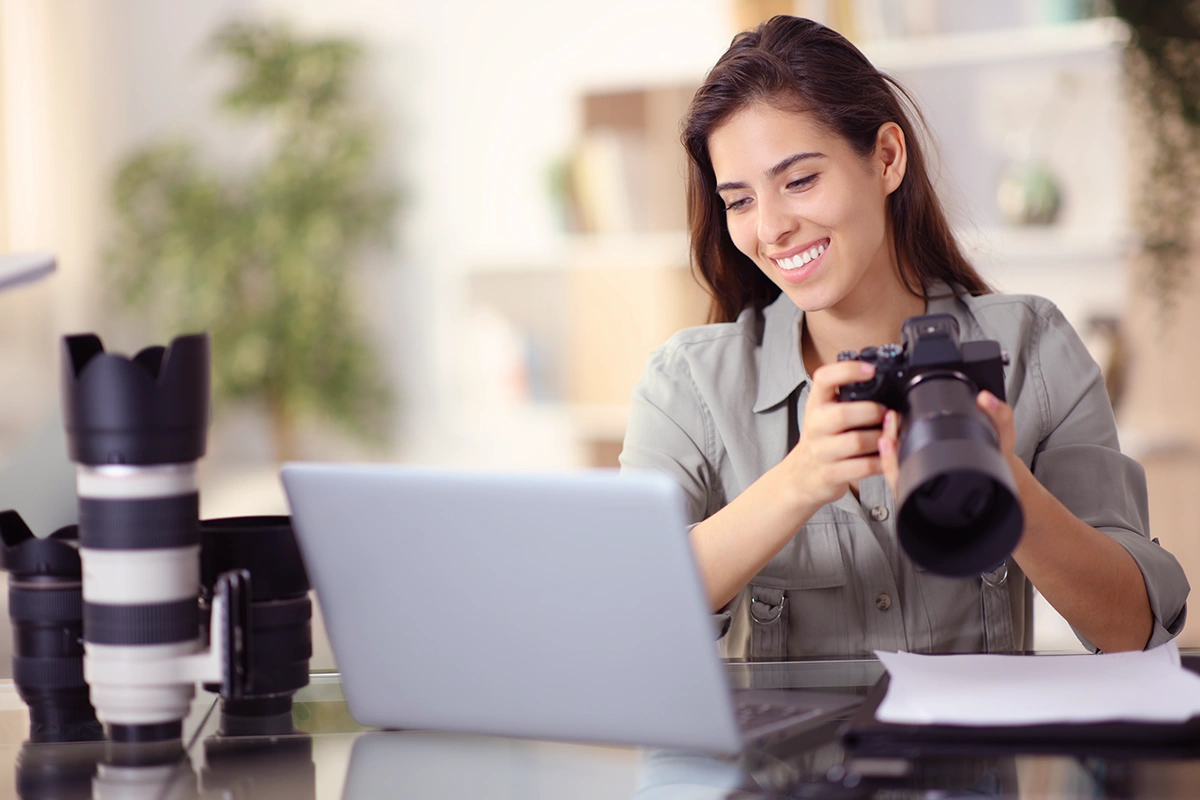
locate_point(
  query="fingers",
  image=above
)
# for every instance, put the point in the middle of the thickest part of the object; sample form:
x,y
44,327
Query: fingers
x,y
836,418
1001,415
854,469
851,444
889,449
831,377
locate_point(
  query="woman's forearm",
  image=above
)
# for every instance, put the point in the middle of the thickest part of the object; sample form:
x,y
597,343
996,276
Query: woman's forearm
x,y
733,545
1085,575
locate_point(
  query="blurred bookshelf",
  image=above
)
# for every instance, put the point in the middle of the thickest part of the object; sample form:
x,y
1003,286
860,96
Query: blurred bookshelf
x,y
934,51
578,312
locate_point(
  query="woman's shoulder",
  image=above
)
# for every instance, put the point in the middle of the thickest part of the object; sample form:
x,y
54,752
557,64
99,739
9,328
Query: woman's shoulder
x,y
1021,319
702,347
1000,307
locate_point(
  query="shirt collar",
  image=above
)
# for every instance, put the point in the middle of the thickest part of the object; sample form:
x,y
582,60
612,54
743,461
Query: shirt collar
x,y
783,368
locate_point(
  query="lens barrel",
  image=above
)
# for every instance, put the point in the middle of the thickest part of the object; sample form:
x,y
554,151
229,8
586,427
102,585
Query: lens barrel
x,y
45,606
136,426
959,508
280,615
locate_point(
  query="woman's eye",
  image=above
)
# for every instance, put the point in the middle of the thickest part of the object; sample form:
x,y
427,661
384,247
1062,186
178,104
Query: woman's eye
x,y
800,183
734,205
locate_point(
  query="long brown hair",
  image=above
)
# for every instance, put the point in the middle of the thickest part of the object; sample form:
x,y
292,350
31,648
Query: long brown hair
x,y
797,63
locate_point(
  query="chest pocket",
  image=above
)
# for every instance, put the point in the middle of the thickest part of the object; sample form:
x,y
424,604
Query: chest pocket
x,y
797,595
811,560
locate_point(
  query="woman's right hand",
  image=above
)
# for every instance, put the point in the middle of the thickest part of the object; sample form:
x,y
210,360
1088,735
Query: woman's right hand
x,y
839,441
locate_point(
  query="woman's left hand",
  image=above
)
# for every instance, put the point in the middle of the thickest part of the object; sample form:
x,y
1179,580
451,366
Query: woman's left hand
x,y
998,411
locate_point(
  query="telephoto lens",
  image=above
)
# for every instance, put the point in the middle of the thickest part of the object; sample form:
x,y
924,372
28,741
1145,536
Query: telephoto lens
x,y
959,511
45,605
135,428
280,620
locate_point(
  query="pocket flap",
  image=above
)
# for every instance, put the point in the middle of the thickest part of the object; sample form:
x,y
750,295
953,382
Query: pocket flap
x,y
811,560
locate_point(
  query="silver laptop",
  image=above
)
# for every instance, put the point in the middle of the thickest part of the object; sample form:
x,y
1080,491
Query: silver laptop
x,y
561,606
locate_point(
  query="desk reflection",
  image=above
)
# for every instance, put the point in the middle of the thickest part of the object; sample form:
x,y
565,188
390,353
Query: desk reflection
x,y
234,767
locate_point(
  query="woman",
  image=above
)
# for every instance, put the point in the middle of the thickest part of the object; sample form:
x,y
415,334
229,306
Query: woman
x,y
815,226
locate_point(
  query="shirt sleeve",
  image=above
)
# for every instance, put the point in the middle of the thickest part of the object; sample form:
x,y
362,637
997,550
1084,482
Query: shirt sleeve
x,y
1080,462
670,430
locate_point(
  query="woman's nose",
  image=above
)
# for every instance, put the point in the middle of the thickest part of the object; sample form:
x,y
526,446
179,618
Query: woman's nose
x,y
774,223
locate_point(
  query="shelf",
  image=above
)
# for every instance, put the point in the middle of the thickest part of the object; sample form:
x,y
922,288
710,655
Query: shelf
x,y
1048,246
998,46
1034,246
660,250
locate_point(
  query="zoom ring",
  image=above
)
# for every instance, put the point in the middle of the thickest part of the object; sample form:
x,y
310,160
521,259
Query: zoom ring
x,y
152,623
31,672
45,605
147,524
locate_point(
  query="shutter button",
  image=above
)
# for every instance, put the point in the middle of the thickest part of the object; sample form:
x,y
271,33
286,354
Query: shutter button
x,y
883,602
879,513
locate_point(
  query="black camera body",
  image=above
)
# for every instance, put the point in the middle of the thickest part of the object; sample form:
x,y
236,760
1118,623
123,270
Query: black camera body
x,y
959,512
930,344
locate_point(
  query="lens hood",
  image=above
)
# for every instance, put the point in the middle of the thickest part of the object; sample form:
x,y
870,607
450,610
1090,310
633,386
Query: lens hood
x,y
149,409
263,545
25,556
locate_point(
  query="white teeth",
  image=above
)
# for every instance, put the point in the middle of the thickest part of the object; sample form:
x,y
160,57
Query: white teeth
x,y
797,261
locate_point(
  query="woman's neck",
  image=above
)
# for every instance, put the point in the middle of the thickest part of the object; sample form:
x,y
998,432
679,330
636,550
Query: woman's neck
x,y
870,316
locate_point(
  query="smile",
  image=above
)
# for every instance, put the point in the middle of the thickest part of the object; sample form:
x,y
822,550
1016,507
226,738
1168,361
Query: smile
x,y
802,258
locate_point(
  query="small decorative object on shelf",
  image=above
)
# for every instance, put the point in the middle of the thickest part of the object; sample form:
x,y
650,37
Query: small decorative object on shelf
x,y
1028,195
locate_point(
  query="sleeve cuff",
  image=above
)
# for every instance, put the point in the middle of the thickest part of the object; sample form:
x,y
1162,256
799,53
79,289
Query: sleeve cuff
x,y
1166,585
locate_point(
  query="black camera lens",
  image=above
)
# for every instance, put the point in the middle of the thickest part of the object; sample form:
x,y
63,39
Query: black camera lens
x,y
280,639
45,605
959,512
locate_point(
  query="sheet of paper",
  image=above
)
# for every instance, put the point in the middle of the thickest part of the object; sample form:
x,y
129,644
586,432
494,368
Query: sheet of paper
x,y
1148,686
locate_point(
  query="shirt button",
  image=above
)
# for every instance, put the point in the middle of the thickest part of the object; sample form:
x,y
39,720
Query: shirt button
x,y
883,602
879,513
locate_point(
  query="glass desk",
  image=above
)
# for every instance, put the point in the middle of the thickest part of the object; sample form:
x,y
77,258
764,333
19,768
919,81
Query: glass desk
x,y
330,756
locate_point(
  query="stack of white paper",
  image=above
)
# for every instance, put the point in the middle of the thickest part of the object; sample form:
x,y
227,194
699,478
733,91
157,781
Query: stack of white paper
x,y
1148,686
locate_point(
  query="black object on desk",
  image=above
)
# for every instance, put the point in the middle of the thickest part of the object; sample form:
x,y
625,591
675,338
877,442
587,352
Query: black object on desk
x,y
865,736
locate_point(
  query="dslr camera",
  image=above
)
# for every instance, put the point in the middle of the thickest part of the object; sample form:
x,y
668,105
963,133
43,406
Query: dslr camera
x,y
958,510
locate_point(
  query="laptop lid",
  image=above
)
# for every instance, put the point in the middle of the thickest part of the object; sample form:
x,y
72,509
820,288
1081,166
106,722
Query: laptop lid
x,y
562,606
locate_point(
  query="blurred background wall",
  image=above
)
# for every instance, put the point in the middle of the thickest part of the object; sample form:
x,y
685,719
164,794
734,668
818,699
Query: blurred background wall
x,y
538,252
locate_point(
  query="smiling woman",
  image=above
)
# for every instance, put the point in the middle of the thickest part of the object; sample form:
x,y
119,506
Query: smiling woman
x,y
816,229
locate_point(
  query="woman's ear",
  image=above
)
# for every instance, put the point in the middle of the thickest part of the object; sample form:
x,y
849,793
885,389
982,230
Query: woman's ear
x,y
891,155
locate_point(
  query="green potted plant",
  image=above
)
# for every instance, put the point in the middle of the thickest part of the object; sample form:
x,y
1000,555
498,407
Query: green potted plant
x,y
261,256
1163,67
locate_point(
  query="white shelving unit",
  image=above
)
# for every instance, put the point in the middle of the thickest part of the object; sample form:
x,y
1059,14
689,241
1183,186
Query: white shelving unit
x,y
659,250
999,46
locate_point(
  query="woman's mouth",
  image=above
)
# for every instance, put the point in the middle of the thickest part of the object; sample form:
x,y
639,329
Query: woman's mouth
x,y
801,264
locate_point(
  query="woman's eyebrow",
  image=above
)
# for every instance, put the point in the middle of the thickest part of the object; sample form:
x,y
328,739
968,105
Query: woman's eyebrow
x,y
773,172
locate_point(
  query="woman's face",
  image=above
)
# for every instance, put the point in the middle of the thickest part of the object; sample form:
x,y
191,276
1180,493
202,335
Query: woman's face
x,y
804,207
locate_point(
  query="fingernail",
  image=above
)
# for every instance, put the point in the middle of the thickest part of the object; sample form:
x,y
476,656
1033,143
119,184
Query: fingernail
x,y
992,401
868,369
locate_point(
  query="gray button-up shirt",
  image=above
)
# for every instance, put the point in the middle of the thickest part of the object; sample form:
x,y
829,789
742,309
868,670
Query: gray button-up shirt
x,y
711,410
